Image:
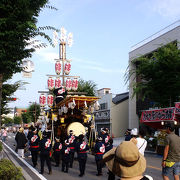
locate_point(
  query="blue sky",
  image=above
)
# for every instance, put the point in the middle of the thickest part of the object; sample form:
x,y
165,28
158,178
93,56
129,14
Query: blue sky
x,y
104,31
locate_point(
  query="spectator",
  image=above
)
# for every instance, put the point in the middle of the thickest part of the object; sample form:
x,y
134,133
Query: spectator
x,y
171,157
21,142
141,142
126,162
4,135
128,135
134,135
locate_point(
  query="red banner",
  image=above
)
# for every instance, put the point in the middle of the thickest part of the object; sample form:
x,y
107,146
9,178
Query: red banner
x,y
158,115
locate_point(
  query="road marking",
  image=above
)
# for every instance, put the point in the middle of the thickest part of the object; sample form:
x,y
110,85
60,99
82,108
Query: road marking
x,y
153,167
28,165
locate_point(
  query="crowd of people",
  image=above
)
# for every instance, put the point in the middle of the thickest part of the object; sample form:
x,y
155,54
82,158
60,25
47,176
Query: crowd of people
x,y
126,161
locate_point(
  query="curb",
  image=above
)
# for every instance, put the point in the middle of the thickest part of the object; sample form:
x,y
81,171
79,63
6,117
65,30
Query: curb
x,y
25,174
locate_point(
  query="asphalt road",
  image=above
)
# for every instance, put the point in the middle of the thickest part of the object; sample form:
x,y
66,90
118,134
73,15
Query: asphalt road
x,y
153,167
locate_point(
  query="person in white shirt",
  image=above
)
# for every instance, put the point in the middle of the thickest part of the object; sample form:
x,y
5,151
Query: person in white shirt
x,y
141,142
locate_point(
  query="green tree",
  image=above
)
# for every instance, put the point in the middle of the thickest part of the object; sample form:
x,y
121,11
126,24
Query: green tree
x,y
17,120
87,86
159,76
26,117
7,94
8,120
34,111
18,21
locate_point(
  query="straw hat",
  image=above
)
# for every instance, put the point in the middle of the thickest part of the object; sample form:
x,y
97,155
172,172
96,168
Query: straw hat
x,y
125,160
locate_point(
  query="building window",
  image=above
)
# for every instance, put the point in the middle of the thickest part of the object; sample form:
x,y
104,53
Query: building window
x,y
103,106
106,92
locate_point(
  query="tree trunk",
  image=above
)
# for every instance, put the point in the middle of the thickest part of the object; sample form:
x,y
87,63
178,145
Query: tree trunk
x,y
1,82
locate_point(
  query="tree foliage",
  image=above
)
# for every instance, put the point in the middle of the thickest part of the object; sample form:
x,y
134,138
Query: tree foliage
x,y
18,29
7,93
17,120
87,86
8,120
9,171
26,117
159,75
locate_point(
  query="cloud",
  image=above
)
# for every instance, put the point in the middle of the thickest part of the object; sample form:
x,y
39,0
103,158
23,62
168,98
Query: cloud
x,y
44,55
166,8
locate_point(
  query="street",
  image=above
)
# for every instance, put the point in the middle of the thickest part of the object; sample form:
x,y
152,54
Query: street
x,y
153,167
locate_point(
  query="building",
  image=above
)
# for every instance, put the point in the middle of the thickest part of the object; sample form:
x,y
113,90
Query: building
x,y
147,46
102,116
19,111
119,114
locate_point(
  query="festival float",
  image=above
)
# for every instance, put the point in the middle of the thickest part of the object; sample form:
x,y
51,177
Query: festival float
x,y
68,108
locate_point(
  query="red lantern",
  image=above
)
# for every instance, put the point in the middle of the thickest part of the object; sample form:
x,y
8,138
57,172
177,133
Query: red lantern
x,y
74,84
50,100
68,84
67,68
50,83
57,83
42,100
58,67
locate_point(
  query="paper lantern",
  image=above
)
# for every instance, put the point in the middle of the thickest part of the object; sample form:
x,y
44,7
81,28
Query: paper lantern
x,y
42,100
97,106
68,84
50,83
57,83
50,100
67,68
58,67
74,84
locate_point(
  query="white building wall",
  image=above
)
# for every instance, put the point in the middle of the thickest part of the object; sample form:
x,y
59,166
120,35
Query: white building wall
x,y
171,35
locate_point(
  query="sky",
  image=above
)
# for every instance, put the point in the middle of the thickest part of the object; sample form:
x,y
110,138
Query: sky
x,y
103,33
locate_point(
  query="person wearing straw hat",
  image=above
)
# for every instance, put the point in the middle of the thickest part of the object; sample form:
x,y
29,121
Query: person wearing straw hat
x,y
126,162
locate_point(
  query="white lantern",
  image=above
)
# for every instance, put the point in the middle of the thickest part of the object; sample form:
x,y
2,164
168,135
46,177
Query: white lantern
x,y
50,83
65,109
72,106
68,84
42,100
57,83
74,84
58,67
67,68
50,100
96,106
